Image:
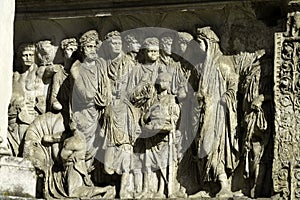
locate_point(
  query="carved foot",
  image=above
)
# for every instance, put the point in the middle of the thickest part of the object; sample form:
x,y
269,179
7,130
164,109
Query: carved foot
x,y
224,193
126,195
201,194
159,196
110,193
143,195
181,193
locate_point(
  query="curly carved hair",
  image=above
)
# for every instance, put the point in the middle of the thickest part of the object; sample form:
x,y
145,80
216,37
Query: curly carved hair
x,y
153,41
26,47
89,36
68,42
112,34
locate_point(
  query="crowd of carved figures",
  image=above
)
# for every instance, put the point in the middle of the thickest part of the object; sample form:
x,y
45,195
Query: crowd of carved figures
x,y
130,117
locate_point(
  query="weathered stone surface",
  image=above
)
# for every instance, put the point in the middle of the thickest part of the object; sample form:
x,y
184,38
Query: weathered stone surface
x,y
112,94
6,57
18,177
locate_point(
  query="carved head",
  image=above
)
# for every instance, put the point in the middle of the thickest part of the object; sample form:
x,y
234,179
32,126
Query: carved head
x,y
114,43
166,42
69,46
27,54
163,81
184,39
205,35
89,43
45,51
151,49
132,45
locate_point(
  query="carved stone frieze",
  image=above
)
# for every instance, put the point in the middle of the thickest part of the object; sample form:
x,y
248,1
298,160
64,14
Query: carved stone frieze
x,y
287,110
156,104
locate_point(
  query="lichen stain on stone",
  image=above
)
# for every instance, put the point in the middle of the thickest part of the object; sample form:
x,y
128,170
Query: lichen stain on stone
x,y
17,191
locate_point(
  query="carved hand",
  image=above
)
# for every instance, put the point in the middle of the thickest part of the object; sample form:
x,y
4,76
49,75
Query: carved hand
x,y
257,102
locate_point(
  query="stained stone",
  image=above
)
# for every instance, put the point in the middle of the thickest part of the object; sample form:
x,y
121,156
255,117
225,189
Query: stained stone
x,y
18,177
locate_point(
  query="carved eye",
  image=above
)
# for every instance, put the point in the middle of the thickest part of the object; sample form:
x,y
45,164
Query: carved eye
x,y
35,144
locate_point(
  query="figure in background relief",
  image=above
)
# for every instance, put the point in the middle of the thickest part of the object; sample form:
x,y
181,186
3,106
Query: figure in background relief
x,y
217,146
120,118
46,52
183,41
179,81
24,105
61,83
255,138
132,47
90,93
144,76
189,122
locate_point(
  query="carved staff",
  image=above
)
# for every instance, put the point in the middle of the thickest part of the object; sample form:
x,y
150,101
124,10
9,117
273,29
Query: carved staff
x,y
171,152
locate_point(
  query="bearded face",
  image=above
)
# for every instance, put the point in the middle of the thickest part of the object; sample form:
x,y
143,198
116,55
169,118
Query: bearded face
x,y
90,50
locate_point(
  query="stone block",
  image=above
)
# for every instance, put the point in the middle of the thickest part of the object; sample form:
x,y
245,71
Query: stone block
x,y
18,177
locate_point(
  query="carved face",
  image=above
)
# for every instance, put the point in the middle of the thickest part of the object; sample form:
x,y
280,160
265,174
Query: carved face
x,y
182,46
68,51
164,85
152,53
28,58
90,50
167,47
134,46
115,45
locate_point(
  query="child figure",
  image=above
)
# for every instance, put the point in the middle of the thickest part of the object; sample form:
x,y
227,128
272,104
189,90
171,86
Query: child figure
x,y
162,148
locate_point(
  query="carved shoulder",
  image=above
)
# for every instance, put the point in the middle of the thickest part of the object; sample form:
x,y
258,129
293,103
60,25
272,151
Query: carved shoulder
x,y
75,69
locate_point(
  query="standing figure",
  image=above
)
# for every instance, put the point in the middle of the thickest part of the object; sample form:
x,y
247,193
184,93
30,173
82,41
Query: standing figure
x,y
257,137
147,72
89,93
46,53
120,118
217,145
25,102
132,47
162,117
60,95
141,89
179,81
181,49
